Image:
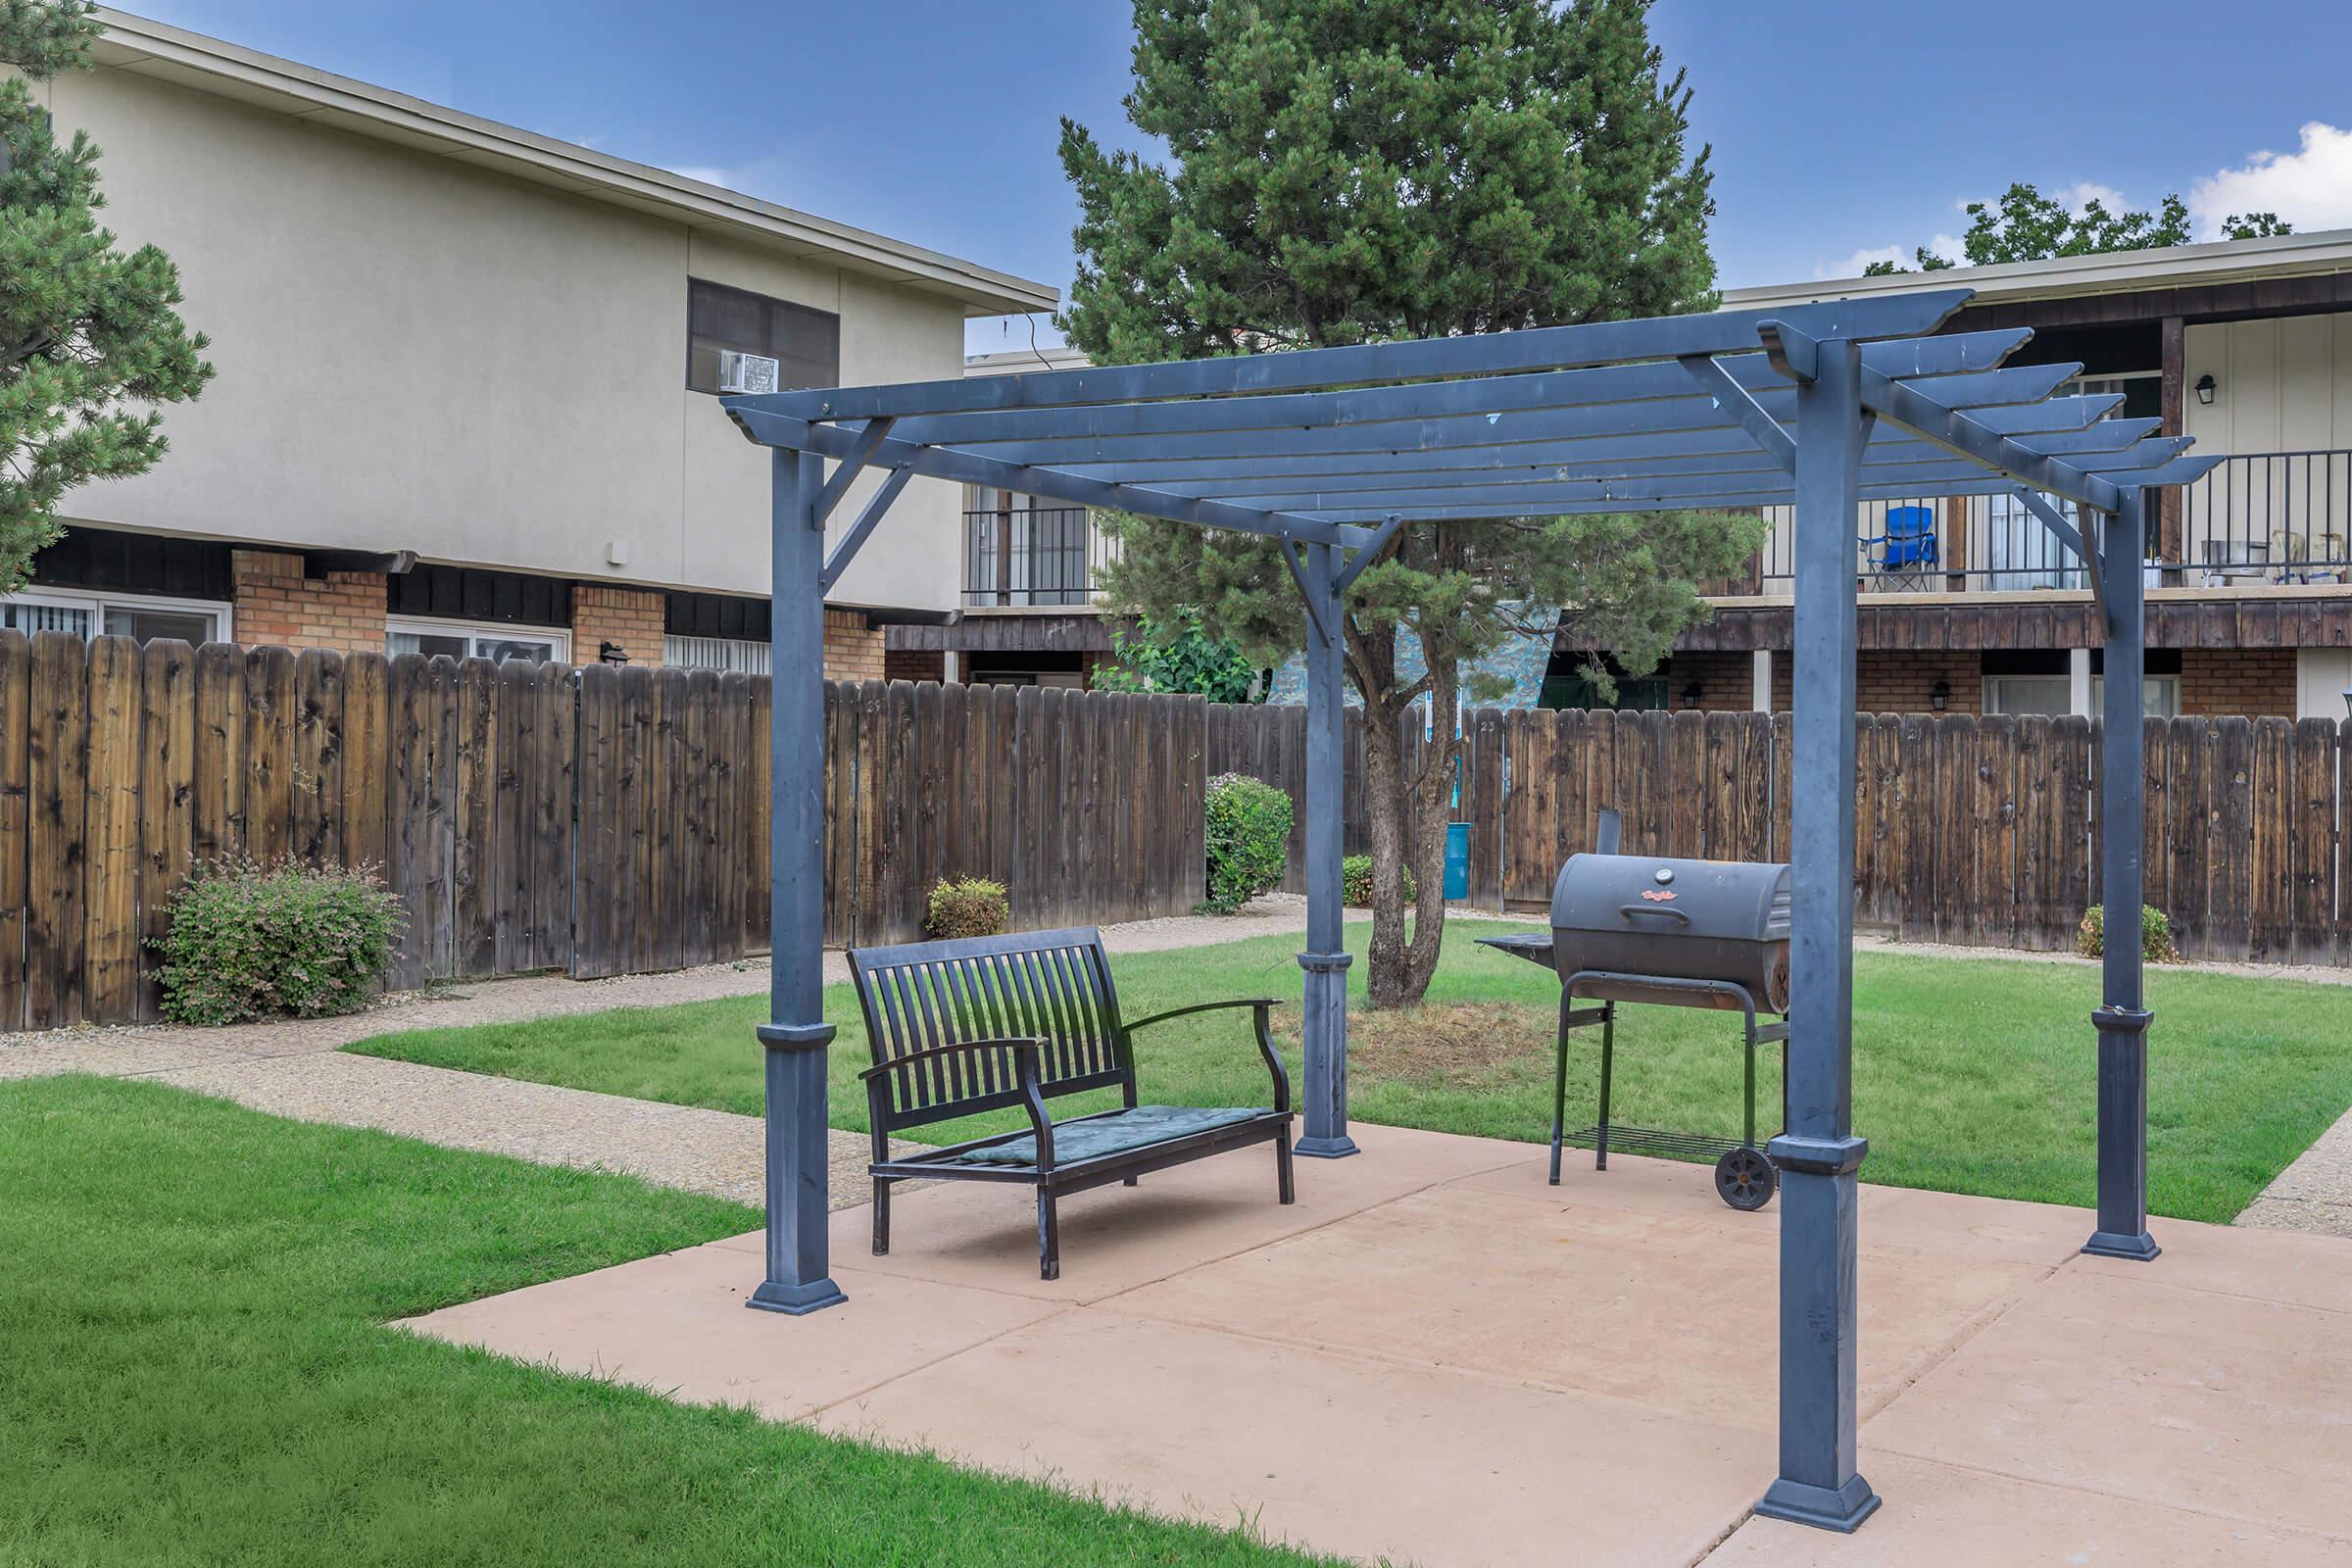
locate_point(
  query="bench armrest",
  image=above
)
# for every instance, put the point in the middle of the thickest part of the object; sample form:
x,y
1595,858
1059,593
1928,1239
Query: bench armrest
x,y
1024,1049
1259,1006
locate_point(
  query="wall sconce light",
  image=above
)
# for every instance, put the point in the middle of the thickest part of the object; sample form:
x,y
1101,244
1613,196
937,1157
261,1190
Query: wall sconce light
x,y
2205,387
612,654
1940,696
1692,693
2348,702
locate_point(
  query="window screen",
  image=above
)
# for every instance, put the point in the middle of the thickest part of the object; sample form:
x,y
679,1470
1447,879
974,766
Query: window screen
x,y
804,343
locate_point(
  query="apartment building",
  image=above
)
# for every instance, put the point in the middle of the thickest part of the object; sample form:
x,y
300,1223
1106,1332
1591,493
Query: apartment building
x,y
467,398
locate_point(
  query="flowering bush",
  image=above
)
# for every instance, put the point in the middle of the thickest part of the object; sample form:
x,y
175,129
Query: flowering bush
x,y
251,941
972,907
1249,840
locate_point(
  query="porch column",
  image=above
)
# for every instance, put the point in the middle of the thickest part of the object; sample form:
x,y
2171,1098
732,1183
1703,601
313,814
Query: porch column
x,y
796,1035
1817,1152
2121,1022
1324,1023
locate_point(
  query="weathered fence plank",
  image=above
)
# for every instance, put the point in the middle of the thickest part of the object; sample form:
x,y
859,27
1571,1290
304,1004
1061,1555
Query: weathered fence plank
x,y
111,924
57,772
166,803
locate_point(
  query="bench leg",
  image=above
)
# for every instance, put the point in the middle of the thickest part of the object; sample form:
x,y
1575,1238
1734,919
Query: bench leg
x,y
881,1217
1282,1168
1049,1238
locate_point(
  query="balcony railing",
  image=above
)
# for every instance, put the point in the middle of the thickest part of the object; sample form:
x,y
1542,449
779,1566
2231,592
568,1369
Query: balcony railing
x,y
1032,555
2263,518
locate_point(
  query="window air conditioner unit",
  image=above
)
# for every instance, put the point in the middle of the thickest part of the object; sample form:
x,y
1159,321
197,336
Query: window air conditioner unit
x,y
746,372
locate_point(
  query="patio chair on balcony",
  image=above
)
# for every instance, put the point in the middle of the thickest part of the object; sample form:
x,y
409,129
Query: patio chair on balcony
x,y
1904,555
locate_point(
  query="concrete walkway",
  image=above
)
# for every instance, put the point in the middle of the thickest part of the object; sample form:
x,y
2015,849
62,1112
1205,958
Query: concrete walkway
x,y
1435,1358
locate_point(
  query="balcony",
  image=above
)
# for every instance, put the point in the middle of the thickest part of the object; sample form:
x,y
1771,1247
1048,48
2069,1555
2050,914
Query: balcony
x,y
2260,519
1018,555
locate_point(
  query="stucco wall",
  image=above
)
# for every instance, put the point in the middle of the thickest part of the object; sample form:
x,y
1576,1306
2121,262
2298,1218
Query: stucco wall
x,y
415,353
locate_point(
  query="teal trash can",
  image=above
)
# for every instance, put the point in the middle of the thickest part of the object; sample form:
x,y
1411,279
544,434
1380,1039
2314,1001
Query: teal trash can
x,y
1458,861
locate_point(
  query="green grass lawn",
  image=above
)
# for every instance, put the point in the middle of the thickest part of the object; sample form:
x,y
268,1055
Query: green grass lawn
x,y
193,1369
1970,1076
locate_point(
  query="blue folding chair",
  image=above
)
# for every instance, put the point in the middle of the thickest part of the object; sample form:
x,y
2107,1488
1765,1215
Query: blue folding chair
x,y
1907,549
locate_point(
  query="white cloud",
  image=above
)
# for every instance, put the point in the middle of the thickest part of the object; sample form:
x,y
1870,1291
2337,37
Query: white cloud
x,y
2309,187
1945,245
2084,192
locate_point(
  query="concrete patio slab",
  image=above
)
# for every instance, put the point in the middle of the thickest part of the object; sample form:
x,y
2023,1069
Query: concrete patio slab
x,y
1367,1461
676,1324
1674,1310
2118,1382
1115,1238
1435,1358
1940,1516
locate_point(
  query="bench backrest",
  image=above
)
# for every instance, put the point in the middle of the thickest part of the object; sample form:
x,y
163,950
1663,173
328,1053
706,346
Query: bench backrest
x,y
1051,984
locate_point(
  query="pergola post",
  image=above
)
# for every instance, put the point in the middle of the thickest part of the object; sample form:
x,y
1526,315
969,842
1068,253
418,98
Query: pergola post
x,y
2121,1022
1817,1152
1324,1021
796,1035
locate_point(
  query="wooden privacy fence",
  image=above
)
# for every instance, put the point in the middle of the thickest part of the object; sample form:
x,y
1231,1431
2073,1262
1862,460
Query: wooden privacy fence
x,y
532,816
1981,831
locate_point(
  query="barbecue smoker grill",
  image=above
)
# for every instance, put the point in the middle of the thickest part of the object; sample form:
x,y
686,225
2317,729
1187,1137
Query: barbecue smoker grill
x,y
1677,933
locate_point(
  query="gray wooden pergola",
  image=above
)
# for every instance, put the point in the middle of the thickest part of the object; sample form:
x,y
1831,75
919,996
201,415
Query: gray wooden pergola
x,y
1331,451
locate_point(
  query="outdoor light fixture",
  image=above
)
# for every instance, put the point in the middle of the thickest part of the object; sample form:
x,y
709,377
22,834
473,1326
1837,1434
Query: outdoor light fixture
x,y
2206,388
1940,696
1692,693
2348,702
612,654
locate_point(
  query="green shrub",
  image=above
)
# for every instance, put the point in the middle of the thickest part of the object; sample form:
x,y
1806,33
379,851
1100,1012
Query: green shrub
x,y
249,941
1355,882
1249,840
2155,935
972,907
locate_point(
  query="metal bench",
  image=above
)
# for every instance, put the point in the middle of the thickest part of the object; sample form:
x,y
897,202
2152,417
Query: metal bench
x,y
985,1023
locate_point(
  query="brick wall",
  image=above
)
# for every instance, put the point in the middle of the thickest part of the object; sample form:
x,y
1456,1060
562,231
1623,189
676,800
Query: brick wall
x,y
629,617
1727,681
853,649
1904,682
275,603
914,663
2254,681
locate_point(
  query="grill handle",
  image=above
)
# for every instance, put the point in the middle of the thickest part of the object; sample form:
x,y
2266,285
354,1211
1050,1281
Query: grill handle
x,y
1630,909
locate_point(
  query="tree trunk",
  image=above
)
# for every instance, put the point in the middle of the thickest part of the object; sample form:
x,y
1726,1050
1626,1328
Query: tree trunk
x,y
1384,827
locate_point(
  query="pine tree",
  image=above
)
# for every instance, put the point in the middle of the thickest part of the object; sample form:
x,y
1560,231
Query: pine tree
x,y
87,334
1357,171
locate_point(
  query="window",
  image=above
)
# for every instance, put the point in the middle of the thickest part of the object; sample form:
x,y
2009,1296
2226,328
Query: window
x,y
804,343
2158,695
459,640
136,615
2029,694
722,653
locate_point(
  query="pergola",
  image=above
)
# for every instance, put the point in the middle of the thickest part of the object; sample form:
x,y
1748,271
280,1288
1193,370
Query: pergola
x,y
1331,451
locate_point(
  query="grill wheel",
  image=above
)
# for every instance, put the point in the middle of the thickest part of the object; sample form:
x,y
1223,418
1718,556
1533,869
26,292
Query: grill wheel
x,y
1745,1179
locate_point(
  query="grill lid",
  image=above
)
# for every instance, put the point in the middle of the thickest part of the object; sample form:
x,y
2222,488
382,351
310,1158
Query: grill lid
x,y
1670,899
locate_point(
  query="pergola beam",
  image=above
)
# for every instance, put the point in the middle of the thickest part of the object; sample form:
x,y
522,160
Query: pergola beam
x,y
1948,427
1179,474
939,464
1481,397
1882,462
1907,316
1434,433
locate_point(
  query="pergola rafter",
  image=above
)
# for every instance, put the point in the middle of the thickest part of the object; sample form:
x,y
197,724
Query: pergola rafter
x,y
1331,451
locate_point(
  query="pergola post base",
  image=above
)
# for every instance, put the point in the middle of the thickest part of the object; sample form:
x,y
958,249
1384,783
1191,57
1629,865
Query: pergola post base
x,y
2140,1249
796,1301
1324,1026
1841,1510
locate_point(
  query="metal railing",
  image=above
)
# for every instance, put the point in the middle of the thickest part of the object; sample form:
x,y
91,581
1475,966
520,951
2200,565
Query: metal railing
x,y
2269,517
2261,518
1032,555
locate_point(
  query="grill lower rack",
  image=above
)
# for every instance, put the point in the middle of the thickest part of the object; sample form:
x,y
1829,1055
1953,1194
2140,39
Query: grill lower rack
x,y
1625,1140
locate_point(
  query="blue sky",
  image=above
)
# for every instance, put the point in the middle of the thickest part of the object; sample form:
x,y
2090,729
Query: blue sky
x,y
1839,130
